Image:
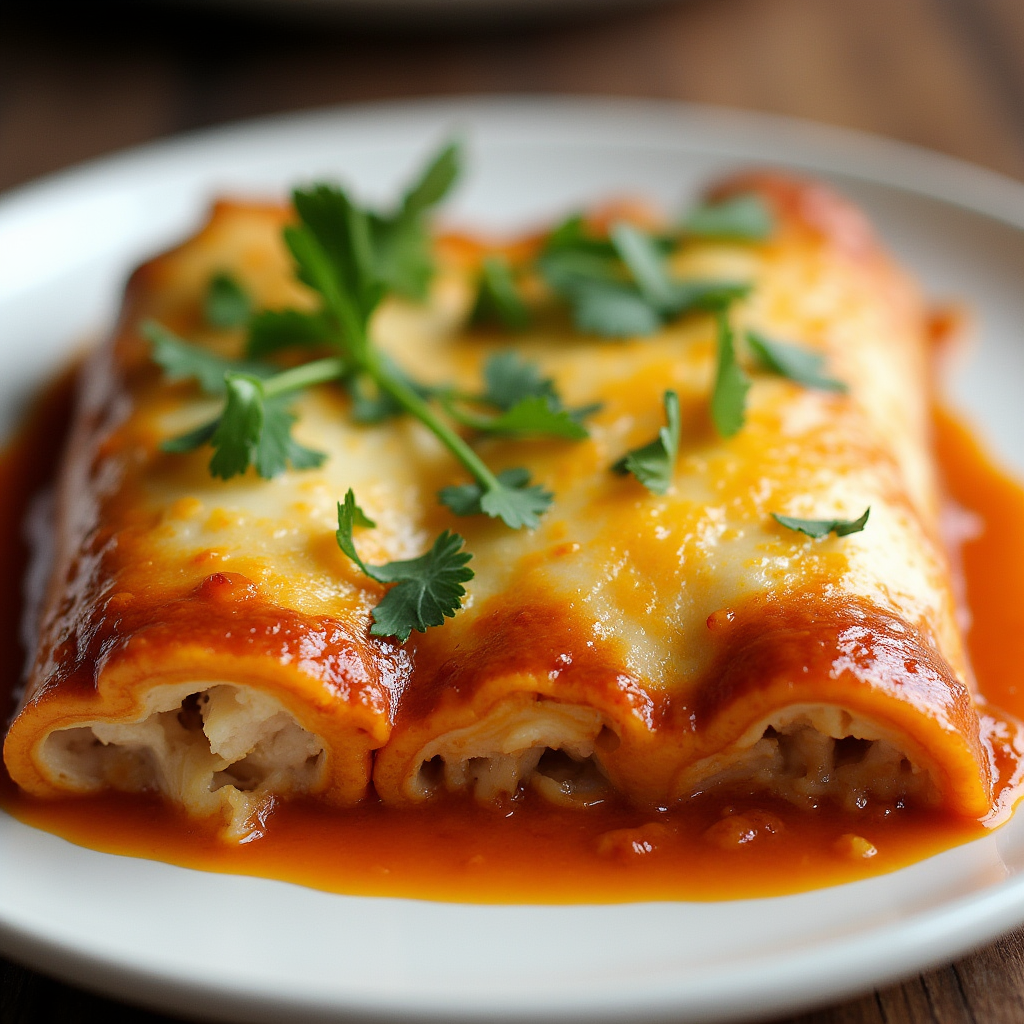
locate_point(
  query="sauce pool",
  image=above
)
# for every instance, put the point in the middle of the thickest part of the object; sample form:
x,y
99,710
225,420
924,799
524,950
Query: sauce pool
x,y
455,850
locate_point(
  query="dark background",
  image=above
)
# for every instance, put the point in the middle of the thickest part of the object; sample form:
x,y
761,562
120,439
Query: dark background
x,y
84,80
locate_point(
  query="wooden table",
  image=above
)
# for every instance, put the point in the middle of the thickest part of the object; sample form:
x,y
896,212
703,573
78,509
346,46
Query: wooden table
x,y
947,74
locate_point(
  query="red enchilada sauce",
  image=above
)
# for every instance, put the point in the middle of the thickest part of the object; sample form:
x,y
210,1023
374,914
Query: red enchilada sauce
x,y
453,849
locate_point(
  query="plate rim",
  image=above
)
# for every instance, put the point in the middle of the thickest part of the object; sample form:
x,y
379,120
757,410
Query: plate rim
x,y
848,152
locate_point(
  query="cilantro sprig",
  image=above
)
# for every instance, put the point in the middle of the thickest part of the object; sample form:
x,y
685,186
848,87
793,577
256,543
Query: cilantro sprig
x,y
227,303
498,297
741,218
517,503
351,258
182,361
729,392
654,463
620,286
819,528
801,365
254,427
426,590
526,403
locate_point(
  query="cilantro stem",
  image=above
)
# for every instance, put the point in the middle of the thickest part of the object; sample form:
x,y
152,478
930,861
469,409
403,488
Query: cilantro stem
x,y
320,371
463,416
412,403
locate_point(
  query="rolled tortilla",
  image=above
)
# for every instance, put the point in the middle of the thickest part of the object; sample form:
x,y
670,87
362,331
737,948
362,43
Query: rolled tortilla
x,y
199,638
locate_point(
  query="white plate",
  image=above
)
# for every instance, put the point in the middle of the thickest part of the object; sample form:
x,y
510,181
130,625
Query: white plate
x,y
230,947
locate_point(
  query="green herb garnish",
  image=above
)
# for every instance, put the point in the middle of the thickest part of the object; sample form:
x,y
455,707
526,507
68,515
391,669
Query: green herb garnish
x,y
613,310
646,264
796,363
181,361
272,330
426,590
654,464
743,218
516,501
498,298
527,403
400,240
227,303
620,286
254,427
729,395
819,528
508,379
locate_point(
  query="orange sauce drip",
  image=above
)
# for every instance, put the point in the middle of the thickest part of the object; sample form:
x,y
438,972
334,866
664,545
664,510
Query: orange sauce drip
x,y
454,850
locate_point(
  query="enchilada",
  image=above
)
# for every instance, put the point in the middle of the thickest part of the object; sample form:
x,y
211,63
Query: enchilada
x,y
209,639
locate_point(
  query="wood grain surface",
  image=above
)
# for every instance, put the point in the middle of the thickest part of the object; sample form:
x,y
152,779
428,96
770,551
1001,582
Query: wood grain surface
x,y
84,80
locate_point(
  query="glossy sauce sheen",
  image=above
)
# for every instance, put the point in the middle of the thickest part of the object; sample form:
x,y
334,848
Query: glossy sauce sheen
x,y
531,852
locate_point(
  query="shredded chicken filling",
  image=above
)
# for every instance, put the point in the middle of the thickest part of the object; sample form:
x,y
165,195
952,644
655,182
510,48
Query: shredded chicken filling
x,y
810,755
213,748
525,741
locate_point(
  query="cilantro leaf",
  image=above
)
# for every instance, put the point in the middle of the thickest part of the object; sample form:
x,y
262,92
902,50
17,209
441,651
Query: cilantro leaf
x,y
255,430
654,464
621,287
342,230
514,500
276,449
566,270
668,295
403,257
539,415
509,379
591,276
334,253
274,329
434,183
351,515
529,403
401,242
646,265
227,303
705,296
819,528
742,218
802,365
729,396
614,311
238,433
181,361
516,505
427,589
498,298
